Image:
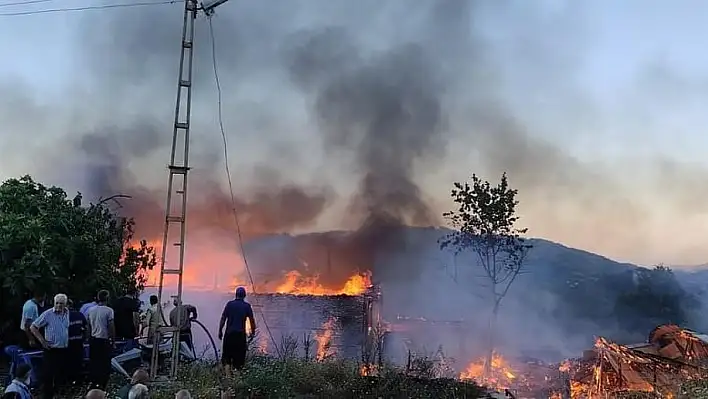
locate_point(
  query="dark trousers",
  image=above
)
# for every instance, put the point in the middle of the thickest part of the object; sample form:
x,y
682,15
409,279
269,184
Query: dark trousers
x,y
75,360
54,374
186,337
234,351
100,353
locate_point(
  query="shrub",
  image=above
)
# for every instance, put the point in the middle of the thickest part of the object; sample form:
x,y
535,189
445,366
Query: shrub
x,y
266,377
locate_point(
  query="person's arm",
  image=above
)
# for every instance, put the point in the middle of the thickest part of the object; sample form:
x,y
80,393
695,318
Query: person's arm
x,y
36,325
29,315
249,315
148,319
112,326
136,315
84,325
222,321
193,312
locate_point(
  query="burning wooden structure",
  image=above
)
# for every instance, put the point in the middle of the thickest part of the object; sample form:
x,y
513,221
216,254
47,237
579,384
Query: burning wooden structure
x,y
670,357
337,325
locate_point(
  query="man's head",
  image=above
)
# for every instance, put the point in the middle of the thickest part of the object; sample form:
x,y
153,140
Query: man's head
x,y
183,394
153,299
23,372
102,296
39,296
60,301
70,304
240,293
176,301
96,394
140,376
138,391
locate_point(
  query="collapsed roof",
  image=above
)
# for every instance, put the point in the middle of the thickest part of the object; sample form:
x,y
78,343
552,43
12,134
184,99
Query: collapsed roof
x,y
670,356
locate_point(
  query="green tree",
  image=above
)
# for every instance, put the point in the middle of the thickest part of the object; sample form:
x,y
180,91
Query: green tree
x,y
655,298
485,223
51,243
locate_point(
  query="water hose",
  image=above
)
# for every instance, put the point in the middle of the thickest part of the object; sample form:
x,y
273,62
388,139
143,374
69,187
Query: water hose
x,y
211,339
206,330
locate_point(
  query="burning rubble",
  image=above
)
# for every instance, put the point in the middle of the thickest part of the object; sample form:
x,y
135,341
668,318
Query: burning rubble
x,y
671,357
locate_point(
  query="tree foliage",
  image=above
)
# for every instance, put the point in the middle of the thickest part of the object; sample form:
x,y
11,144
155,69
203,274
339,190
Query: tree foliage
x,y
655,298
485,223
51,243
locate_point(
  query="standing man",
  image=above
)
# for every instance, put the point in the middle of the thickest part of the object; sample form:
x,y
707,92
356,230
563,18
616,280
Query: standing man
x,y
153,318
127,313
103,331
55,342
78,332
234,316
186,313
30,313
85,307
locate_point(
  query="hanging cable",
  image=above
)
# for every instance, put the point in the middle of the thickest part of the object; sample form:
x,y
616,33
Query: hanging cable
x,y
88,8
22,3
228,176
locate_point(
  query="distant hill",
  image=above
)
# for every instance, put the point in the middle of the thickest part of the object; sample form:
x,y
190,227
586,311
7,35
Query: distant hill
x,y
566,293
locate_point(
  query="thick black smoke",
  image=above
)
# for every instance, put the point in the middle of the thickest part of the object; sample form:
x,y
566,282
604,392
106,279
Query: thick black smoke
x,y
386,110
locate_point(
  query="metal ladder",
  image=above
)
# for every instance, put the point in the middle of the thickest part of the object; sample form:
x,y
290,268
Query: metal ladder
x,y
177,184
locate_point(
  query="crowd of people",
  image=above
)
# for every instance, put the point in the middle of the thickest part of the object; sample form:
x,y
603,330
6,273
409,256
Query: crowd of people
x,y
61,331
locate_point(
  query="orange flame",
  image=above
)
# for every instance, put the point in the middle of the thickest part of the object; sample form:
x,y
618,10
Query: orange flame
x,y
324,339
204,274
297,284
500,374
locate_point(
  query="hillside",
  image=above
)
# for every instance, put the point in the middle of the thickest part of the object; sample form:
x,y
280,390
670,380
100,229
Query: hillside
x,y
566,293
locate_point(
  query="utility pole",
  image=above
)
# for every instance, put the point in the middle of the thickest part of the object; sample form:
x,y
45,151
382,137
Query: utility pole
x,y
177,183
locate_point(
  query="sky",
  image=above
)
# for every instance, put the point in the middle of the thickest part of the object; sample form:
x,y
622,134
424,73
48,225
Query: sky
x,y
594,109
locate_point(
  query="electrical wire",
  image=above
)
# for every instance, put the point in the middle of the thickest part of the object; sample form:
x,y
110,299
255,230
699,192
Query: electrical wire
x,y
22,3
228,176
88,8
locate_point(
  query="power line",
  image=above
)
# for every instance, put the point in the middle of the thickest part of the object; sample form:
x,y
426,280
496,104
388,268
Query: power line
x,y
22,3
228,176
88,8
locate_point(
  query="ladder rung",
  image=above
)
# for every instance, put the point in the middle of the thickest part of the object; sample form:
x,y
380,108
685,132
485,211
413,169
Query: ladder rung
x,y
185,83
177,244
186,44
180,191
182,125
171,271
178,169
175,219
167,329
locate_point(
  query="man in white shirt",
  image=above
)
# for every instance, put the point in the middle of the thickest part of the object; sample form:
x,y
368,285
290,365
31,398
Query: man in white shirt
x,y
102,333
30,313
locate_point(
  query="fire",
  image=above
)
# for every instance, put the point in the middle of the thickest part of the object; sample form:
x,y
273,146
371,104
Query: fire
x,y
202,273
500,374
297,284
368,370
324,339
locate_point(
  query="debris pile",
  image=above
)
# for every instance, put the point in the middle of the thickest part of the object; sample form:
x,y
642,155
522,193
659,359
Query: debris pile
x,y
671,357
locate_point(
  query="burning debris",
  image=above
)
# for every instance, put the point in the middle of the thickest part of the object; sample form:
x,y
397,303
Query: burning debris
x,y
671,357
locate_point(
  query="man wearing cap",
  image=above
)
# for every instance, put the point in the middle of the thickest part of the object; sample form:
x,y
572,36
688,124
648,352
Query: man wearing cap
x,y
234,317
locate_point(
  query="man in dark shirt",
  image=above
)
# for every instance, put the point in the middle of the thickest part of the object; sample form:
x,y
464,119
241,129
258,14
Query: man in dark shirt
x,y
127,317
235,342
78,331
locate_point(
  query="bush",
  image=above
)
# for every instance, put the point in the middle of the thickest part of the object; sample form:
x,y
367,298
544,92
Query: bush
x,y
52,243
266,377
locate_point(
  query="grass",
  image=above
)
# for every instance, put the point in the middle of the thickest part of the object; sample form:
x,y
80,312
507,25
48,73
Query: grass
x,y
267,377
